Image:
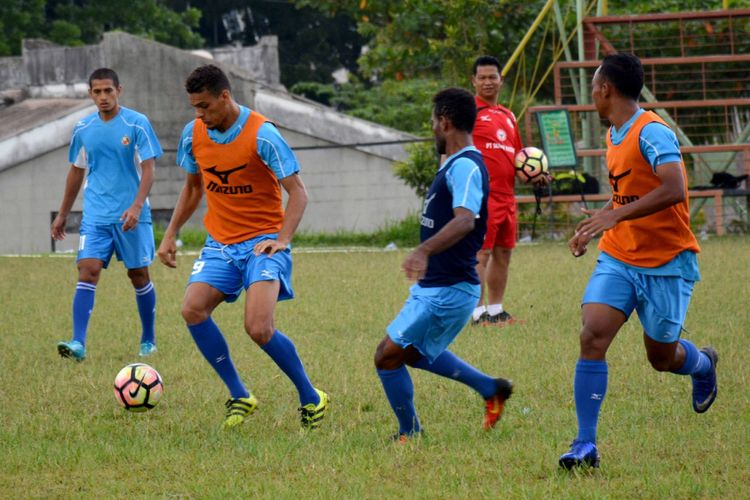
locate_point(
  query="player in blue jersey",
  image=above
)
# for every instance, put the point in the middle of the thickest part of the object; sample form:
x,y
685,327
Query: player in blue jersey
x,y
453,224
240,162
113,150
648,260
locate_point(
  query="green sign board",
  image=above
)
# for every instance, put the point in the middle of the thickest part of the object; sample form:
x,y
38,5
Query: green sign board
x,y
557,138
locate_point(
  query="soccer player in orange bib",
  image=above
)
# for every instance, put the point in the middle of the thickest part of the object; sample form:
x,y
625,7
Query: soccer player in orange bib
x,y
648,259
241,162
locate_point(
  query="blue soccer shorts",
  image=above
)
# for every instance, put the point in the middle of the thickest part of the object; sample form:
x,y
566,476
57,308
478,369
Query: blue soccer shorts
x,y
431,318
233,268
135,248
660,301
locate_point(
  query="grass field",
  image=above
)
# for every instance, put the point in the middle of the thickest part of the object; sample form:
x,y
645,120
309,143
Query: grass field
x,y
62,434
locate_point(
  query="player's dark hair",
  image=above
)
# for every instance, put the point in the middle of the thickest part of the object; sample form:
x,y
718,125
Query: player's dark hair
x,y
625,72
207,78
485,61
458,106
104,74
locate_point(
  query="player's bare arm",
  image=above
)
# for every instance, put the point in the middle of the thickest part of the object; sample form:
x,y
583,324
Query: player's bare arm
x,y
670,191
73,184
130,216
190,196
462,223
295,208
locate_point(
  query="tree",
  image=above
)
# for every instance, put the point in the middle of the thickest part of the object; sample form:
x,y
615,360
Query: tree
x,y
312,44
402,105
19,19
438,38
78,22
147,18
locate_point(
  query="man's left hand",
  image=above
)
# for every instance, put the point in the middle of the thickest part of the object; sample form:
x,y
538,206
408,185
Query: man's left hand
x,y
542,180
129,217
269,247
600,221
415,265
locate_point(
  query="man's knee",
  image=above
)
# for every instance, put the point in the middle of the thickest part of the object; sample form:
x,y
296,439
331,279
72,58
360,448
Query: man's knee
x,y
193,313
388,356
89,273
594,342
660,362
139,277
260,332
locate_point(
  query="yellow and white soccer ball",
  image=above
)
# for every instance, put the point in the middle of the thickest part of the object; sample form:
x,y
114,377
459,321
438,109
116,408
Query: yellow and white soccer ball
x,y
530,163
138,387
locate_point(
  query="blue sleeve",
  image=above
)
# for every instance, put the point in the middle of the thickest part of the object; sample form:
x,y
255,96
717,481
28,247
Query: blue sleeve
x,y
76,143
465,184
185,158
146,140
275,152
659,145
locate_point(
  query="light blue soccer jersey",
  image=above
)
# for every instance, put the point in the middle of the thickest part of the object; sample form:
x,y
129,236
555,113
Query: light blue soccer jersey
x,y
113,151
272,148
658,143
464,181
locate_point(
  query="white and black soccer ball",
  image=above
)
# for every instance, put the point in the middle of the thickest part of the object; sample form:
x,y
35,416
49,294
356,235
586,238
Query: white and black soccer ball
x,y
138,387
530,163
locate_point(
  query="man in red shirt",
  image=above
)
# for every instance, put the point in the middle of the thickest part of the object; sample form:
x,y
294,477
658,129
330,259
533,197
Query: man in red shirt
x,y
497,136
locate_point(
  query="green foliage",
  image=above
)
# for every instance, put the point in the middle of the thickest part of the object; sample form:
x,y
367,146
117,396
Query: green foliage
x,y
64,33
404,105
438,38
312,44
191,238
404,233
419,169
83,22
147,18
64,436
20,19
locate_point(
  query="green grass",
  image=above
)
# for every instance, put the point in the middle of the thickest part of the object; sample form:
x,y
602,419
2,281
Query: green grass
x,y
404,233
62,434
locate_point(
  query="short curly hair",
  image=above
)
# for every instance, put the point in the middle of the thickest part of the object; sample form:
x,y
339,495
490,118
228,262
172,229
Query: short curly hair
x,y
625,72
458,106
104,74
207,78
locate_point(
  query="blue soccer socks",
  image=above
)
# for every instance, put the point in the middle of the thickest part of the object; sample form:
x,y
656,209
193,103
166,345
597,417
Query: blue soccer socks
x,y
214,348
282,351
589,388
146,299
83,304
696,363
451,366
399,390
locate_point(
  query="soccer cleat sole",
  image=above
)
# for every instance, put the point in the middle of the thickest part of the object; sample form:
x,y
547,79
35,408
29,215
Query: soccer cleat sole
x,y
495,406
706,404
66,352
311,417
480,321
238,411
147,351
570,463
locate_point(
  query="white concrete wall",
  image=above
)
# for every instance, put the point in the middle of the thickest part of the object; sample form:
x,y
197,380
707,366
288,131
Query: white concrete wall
x,y
29,192
349,188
